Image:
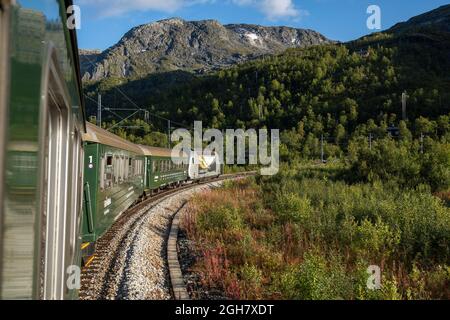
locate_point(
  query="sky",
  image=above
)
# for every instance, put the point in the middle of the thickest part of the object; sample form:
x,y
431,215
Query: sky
x,y
104,22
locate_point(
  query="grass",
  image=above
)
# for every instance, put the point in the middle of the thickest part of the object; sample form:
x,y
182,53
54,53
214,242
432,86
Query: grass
x,y
307,234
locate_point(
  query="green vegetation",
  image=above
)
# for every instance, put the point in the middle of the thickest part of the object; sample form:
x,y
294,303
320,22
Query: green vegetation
x,y
402,162
308,233
337,91
311,232
343,95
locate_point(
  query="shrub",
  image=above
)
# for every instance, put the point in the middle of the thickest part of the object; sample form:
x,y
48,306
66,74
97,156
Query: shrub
x,y
401,162
290,207
436,166
316,279
373,240
222,217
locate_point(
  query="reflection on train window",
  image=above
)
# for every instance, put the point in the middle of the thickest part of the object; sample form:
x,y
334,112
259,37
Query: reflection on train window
x,y
109,160
130,167
125,168
116,169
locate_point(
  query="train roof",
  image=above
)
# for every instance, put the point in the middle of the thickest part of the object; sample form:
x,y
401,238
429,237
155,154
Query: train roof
x,y
157,152
98,135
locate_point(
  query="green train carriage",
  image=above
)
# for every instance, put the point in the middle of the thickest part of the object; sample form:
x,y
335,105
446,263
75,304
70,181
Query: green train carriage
x,y
161,171
113,181
41,123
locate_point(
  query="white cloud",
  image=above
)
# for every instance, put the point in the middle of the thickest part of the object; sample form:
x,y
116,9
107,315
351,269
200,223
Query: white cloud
x,y
119,7
274,9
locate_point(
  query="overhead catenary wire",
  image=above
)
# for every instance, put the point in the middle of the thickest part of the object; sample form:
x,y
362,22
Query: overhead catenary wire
x,y
137,107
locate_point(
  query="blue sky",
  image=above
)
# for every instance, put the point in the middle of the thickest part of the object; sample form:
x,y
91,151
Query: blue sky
x,y
103,22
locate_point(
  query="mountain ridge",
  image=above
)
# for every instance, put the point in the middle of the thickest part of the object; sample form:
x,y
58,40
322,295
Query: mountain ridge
x,y
438,18
196,46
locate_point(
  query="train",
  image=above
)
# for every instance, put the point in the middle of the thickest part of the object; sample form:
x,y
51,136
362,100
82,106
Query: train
x,y
63,180
118,174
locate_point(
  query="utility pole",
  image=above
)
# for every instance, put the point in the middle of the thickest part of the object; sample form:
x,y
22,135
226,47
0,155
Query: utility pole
x,y
168,133
404,100
321,148
99,111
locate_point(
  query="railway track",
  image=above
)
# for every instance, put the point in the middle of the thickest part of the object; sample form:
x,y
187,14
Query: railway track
x,y
122,266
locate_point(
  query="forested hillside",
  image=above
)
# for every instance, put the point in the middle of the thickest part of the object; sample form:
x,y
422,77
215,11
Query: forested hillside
x,y
328,89
327,100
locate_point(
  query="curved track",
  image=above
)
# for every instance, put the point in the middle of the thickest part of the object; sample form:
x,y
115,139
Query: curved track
x,y
130,258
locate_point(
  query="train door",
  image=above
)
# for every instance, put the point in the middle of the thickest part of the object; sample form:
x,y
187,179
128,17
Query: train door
x,y
56,186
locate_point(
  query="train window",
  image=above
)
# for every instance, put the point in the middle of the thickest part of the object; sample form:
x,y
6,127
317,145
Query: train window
x,y
119,169
107,169
130,167
140,167
102,173
125,168
122,167
116,169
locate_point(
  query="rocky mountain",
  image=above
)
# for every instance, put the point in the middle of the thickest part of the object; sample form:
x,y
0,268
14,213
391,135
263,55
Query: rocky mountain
x,y
198,46
437,19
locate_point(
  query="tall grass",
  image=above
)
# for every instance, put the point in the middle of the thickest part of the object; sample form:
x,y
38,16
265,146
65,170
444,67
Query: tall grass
x,y
307,234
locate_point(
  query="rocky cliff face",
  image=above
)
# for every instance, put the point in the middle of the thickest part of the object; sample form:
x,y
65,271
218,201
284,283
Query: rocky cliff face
x,y
198,46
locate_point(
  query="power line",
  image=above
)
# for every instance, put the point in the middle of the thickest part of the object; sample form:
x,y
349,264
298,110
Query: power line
x,y
137,107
